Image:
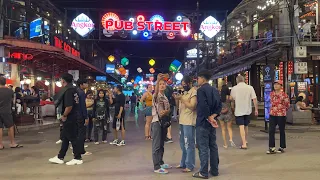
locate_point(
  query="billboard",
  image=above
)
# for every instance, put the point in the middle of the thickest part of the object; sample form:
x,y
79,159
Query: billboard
x,y
110,68
36,28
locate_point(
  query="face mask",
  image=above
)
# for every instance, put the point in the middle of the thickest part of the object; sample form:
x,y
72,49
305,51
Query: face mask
x,y
186,88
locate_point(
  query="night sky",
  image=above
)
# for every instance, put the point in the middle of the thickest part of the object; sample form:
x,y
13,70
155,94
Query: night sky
x,y
164,53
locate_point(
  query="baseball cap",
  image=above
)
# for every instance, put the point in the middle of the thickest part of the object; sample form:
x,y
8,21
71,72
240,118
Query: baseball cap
x,y
278,82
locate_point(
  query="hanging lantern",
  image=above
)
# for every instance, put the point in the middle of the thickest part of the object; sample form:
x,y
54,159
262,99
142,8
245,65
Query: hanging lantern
x,y
111,58
122,71
125,61
175,66
132,80
152,70
139,70
152,62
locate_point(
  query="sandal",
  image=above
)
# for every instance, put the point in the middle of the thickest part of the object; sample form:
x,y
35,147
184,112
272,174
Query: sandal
x,y
17,146
198,175
161,171
179,167
146,138
186,170
244,148
226,147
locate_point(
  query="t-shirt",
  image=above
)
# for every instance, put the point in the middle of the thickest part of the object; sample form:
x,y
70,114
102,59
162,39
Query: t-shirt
x,y
187,116
6,96
119,101
243,95
101,108
71,98
26,91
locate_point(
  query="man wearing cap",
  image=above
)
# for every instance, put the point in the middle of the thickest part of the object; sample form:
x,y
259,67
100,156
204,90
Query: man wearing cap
x,y
280,104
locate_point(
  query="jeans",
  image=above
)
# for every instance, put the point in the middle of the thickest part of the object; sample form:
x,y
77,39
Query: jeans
x,y
81,136
69,134
90,125
98,126
281,122
159,134
207,145
187,144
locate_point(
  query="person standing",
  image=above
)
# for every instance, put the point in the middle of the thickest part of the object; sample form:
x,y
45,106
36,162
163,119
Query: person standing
x,y
226,116
187,103
6,118
280,104
133,100
83,121
147,98
160,108
100,114
89,105
208,108
68,97
243,95
168,93
119,103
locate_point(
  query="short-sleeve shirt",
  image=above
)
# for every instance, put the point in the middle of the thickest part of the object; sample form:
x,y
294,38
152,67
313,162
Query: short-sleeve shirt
x,y
119,101
71,98
162,103
6,96
186,115
101,108
243,95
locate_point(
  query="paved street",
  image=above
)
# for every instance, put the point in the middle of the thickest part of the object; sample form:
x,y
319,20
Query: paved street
x,y
134,161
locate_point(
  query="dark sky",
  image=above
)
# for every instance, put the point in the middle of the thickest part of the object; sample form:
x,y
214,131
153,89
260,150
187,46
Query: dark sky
x,y
164,53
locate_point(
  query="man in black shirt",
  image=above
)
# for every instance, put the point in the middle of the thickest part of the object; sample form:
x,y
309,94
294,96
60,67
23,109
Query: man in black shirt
x,y
70,117
118,120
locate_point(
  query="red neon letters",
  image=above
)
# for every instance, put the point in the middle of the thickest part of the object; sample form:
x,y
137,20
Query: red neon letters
x,y
21,56
63,45
162,26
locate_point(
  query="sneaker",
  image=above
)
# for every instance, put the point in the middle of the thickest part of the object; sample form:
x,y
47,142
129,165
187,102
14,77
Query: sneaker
x,y
280,150
86,146
56,160
121,143
161,171
96,143
272,151
167,140
59,141
74,162
87,153
166,166
114,142
105,142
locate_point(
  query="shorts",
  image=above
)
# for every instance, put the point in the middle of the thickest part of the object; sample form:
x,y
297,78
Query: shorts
x,y
243,120
6,120
148,111
114,123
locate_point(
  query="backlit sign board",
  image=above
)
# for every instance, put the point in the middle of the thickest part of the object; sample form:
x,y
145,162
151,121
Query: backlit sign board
x,y
110,68
21,56
192,53
83,25
210,27
36,28
101,78
65,46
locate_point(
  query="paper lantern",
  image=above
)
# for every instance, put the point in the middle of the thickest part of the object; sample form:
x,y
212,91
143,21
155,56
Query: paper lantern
x,y
179,76
132,80
111,58
125,61
152,70
139,70
175,66
122,71
152,62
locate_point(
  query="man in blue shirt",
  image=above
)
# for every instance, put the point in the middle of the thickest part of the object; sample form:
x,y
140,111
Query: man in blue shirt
x,y
208,108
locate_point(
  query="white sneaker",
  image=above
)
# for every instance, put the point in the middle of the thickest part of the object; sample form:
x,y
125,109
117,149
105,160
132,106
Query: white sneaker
x,y
56,160
86,146
105,142
96,143
59,141
122,143
74,162
114,142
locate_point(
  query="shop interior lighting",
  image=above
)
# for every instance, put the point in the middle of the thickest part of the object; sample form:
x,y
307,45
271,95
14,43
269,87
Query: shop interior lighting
x,y
238,22
47,83
28,81
39,78
185,33
59,84
134,32
141,18
3,59
59,21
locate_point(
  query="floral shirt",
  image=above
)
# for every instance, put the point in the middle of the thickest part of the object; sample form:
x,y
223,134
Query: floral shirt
x,y
280,103
161,103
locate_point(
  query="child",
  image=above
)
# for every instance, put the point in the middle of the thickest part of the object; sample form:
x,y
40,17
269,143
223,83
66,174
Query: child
x,y
100,114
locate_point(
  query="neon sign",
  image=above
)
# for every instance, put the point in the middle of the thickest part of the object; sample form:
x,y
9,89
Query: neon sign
x,y
210,27
83,25
21,56
66,47
111,21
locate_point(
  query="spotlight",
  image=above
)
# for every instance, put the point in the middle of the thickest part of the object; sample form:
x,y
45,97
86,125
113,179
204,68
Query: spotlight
x,y
141,18
179,18
145,34
134,32
131,19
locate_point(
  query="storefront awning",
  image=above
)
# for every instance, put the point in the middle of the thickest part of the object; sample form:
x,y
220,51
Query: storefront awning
x,y
233,70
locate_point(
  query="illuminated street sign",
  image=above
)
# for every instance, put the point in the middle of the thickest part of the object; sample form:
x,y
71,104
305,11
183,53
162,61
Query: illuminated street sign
x,y
210,27
83,25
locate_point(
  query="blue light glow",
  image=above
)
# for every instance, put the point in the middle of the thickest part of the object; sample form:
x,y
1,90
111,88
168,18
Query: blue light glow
x,y
145,34
179,18
134,32
156,18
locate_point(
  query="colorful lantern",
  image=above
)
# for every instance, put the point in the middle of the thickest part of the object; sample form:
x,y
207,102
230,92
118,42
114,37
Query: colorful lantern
x,y
139,70
175,66
122,71
152,70
111,58
125,61
152,62
132,80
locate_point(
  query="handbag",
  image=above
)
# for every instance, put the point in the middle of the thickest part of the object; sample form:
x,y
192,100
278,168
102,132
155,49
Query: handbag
x,y
118,124
164,121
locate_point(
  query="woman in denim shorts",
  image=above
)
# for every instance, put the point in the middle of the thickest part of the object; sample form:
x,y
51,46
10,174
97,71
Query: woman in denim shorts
x,y
147,99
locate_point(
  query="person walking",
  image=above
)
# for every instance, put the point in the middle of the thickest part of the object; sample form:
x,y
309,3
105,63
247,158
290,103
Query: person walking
x,y
119,114
160,108
226,116
68,98
83,121
6,118
208,108
147,98
89,105
243,95
280,104
100,114
186,103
